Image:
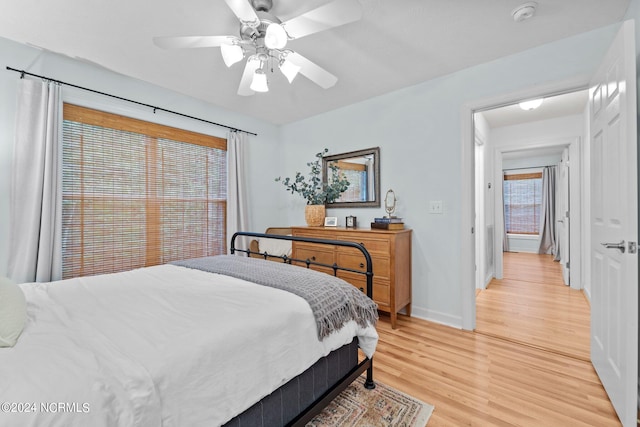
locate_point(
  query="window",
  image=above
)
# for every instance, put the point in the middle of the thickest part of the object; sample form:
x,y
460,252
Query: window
x,y
522,202
356,174
137,194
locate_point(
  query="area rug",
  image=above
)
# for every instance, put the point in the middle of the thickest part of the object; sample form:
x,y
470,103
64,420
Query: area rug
x,y
381,407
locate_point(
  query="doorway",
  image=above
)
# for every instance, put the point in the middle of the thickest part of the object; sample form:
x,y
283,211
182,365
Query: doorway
x,y
611,150
514,149
524,143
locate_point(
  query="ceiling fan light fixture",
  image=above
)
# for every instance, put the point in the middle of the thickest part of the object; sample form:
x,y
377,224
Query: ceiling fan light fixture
x,y
275,37
531,105
289,69
231,53
259,82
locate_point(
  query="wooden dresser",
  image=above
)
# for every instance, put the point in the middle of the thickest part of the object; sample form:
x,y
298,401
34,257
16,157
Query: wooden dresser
x,y
390,252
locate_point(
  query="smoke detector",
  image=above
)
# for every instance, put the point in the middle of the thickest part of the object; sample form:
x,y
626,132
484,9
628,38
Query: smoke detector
x,y
524,11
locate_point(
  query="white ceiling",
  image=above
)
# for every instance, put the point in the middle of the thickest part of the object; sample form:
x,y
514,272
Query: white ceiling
x,y
396,44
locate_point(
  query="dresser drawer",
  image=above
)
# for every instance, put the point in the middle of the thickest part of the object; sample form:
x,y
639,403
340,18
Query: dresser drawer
x,y
304,252
390,252
380,288
373,245
316,234
306,247
381,265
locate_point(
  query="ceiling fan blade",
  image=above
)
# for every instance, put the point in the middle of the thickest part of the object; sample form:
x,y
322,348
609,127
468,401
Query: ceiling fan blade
x,y
250,68
333,14
243,10
182,42
312,71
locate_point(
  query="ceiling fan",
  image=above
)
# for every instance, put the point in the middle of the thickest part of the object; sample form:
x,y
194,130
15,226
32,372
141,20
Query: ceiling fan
x,y
263,39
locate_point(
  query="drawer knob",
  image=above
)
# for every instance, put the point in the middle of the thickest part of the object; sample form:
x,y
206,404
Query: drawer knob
x,y
313,258
361,289
361,265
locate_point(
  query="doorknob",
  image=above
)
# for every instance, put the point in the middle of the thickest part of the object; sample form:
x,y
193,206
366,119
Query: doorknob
x,y
620,246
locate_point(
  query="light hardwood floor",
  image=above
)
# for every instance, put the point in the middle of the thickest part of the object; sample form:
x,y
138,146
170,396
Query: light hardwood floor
x,y
476,379
532,305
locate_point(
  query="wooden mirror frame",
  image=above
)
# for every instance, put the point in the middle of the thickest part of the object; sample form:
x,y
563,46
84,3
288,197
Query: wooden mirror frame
x,y
375,151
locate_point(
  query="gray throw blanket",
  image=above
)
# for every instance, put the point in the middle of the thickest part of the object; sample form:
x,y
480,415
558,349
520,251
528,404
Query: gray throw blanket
x,y
333,301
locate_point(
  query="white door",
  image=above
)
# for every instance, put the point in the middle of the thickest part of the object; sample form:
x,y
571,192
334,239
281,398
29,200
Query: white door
x,y
614,269
563,214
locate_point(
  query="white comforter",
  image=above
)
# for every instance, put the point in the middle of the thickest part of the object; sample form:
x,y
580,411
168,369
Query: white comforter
x,y
160,346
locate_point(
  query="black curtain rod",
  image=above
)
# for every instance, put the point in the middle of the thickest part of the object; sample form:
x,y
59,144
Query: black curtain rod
x,y
23,73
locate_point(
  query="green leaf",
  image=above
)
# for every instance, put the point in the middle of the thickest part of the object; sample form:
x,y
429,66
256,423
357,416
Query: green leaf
x,y
312,189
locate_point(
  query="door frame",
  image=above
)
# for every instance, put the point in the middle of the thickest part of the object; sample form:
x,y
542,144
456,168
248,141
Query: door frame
x,y
468,245
574,216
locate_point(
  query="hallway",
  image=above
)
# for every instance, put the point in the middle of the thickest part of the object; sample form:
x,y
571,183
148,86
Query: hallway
x,y
513,370
532,306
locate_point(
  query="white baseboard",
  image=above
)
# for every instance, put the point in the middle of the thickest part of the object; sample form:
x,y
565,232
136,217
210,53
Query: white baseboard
x,y
436,316
488,280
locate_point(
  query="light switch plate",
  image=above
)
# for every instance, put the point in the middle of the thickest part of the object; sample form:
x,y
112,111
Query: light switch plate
x,y
435,207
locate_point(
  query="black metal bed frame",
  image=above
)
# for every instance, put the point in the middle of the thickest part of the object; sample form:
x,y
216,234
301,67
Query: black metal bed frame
x,y
366,364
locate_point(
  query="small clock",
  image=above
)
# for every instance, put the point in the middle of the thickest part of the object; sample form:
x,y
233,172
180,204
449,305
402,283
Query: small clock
x,y
351,222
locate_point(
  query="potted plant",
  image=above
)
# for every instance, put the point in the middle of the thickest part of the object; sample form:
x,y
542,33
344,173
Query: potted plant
x,y
314,190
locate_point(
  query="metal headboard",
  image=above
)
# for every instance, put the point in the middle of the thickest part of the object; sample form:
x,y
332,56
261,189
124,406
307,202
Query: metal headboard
x,y
367,270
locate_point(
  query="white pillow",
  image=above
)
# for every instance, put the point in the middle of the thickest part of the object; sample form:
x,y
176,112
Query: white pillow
x,y
274,247
13,312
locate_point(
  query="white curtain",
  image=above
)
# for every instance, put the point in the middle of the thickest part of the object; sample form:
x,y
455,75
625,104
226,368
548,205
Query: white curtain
x,y
559,194
36,181
371,181
548,234
237,215
505,236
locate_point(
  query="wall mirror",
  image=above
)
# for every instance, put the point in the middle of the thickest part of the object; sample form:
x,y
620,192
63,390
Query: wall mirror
x,y
362,169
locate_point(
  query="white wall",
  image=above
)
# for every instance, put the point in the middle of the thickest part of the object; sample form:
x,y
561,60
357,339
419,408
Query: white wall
x,y
531,161
262,159
418,130
513,137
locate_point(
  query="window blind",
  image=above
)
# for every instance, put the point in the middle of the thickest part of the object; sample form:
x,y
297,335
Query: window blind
x,y
138,194
356,174
522,203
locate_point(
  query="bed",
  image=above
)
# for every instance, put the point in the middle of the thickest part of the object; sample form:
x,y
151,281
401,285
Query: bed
x,y
185,344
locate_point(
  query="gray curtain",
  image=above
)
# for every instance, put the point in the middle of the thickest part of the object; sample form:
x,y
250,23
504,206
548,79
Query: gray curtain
x,y
237,214
548,234
35,249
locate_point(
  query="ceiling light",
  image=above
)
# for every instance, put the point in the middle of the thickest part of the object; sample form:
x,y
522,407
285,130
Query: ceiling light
x,y
275,37
231,53
531,105
289,69
524,11
259,82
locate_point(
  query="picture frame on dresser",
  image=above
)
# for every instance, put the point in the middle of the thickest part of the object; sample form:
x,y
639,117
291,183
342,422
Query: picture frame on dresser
x,y
331,221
